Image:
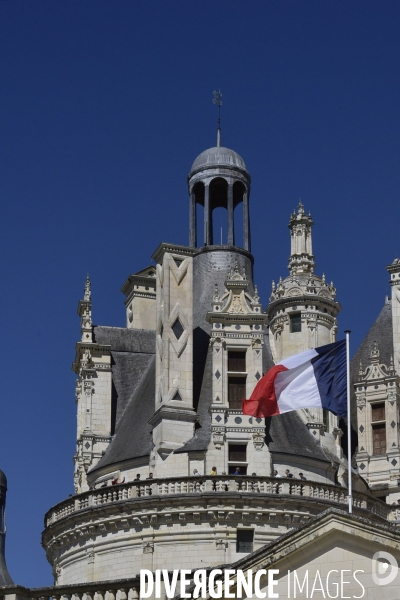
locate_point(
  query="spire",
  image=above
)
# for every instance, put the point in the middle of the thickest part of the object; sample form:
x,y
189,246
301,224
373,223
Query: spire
x,y
87,293
5,578
218,100
301,257
85,312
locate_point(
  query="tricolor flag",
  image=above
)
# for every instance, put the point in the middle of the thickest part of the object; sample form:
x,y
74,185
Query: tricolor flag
x,y
312,379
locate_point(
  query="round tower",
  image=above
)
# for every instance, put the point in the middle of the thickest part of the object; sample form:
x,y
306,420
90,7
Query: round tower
x,y
302,310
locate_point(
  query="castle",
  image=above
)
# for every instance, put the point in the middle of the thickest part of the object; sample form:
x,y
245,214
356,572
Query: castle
x,y
159,409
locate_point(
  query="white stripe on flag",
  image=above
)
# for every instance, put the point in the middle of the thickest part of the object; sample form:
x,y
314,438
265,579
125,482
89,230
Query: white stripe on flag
x,y
292,362
297,388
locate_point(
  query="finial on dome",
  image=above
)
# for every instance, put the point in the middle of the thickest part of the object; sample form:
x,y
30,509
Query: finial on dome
x,y
218,100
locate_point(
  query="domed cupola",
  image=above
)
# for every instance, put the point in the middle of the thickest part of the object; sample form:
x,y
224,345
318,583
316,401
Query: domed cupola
x,y
219,178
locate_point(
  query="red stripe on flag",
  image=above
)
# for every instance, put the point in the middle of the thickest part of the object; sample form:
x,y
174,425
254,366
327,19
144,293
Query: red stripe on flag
x,y
262,402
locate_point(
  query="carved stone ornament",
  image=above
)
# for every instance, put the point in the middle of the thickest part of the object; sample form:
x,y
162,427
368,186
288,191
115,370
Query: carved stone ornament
x,y
218,434
57,572
87,293
221,544
361,402
148,548
258,440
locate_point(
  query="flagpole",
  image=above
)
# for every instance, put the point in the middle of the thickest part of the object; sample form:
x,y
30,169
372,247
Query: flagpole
x,y
350,483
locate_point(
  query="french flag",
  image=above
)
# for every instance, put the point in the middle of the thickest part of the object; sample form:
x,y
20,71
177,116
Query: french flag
x,y
312,379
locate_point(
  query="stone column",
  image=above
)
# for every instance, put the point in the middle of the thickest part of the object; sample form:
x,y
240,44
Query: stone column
x,y
192,221
207,217
246,222
231,222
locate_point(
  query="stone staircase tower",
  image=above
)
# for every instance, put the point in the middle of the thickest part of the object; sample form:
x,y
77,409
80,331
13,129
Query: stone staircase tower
x,y
302,314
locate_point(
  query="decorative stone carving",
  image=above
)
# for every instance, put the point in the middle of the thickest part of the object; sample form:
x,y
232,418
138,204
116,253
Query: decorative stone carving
x,y
258,439
148,548
218,435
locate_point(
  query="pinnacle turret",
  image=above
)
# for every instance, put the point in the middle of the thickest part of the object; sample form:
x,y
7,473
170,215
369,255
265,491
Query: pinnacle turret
x,y
85,312
301,257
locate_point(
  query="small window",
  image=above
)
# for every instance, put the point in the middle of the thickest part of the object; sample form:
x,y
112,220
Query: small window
x,y
378,411
379,438
295,323
236,391
237,452
237,458
244,540
237,361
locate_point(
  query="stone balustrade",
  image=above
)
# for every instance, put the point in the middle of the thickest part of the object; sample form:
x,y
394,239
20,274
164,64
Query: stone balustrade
x,y
216,484
123,589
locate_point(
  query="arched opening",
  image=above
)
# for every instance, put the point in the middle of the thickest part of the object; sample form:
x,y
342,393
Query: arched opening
x,y
225,211
218,193
220,228
218,205
198,191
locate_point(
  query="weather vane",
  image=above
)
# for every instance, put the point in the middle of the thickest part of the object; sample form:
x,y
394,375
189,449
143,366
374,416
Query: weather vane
x,y
218,100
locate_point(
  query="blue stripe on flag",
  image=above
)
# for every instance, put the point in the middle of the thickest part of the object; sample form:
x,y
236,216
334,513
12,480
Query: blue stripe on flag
x,y
330,373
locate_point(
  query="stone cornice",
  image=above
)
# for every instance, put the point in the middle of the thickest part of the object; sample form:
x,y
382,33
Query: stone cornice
x,y
305,298
91,346
172,249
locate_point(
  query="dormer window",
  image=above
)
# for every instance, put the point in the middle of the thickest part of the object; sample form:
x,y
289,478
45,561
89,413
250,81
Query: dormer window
x,y
378,428
236,378
237,361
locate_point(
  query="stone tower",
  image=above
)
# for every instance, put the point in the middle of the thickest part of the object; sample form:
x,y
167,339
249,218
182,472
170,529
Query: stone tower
x,y
159,404
376,379
302,315
302,310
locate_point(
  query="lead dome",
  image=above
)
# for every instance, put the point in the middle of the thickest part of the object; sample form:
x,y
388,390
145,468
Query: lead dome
x,y
218,156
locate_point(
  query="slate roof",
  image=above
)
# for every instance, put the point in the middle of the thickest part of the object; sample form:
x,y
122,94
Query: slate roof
x,y
133,376
132,437
288,434
122,339
202,434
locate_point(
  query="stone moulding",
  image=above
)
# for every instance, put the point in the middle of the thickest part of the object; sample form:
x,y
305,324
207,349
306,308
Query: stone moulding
x,y
120,589
190,508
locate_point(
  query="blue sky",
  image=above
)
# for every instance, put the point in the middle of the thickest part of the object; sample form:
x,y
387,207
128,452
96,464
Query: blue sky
x,y
104,105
